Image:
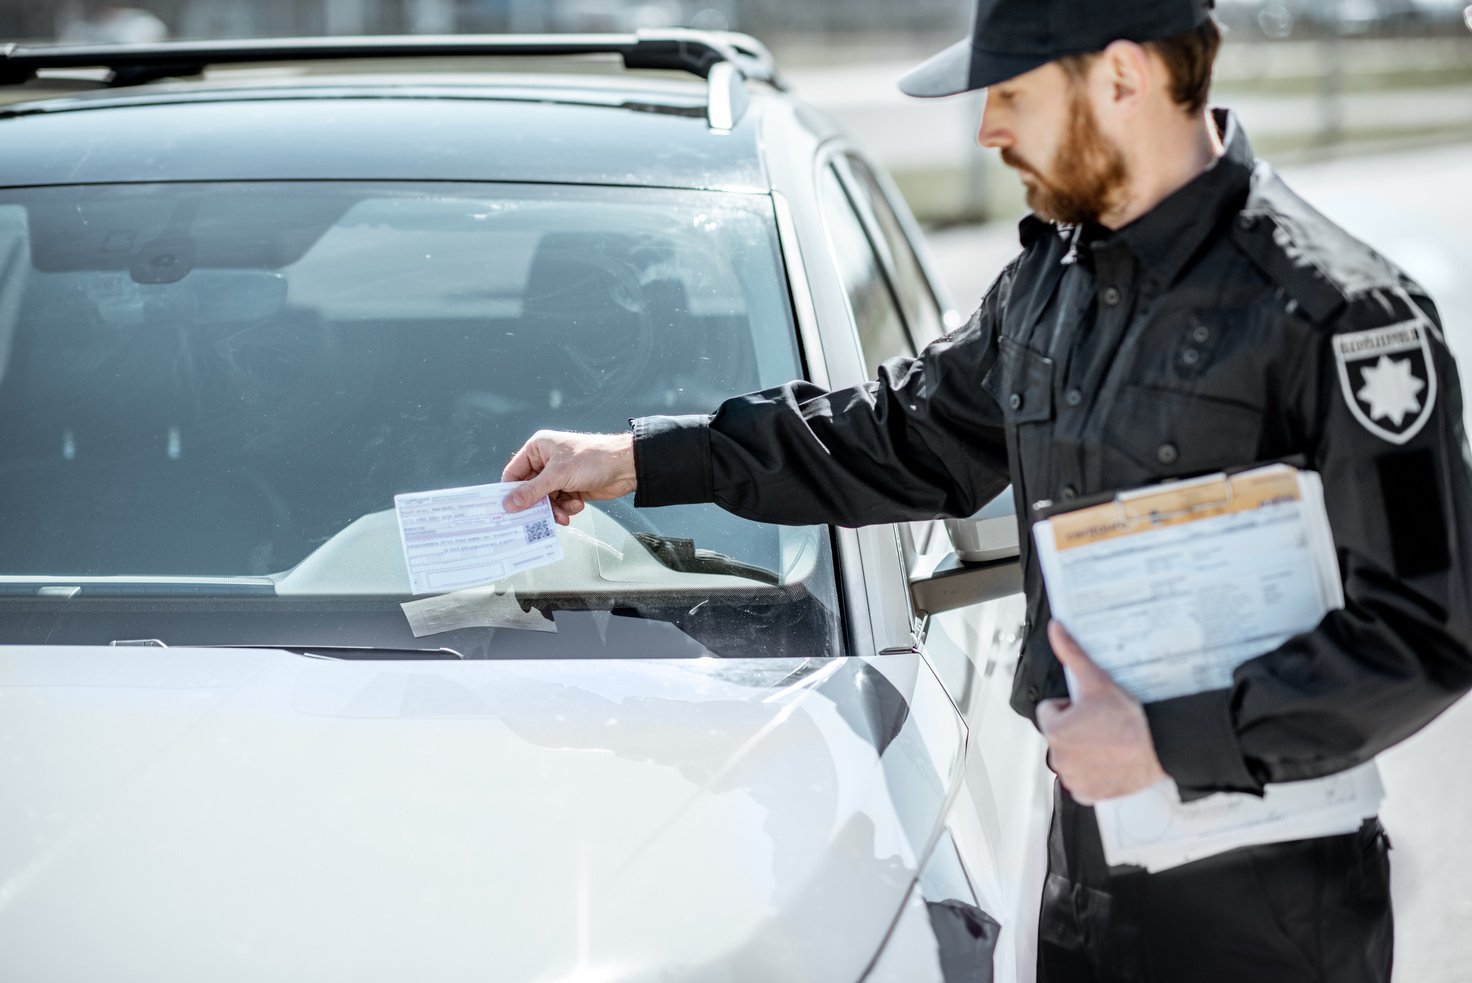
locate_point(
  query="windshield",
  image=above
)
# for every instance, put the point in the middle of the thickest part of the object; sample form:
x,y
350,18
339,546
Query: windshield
x,y
214,391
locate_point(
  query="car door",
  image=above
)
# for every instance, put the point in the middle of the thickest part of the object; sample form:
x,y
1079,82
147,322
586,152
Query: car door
x,y
897,309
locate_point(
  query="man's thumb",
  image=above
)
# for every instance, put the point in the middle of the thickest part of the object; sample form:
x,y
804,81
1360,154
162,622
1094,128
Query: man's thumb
x,y
529,492
1086,672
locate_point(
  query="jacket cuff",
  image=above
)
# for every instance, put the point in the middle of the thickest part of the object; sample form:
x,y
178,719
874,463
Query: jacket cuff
x,y
672,460
1196,742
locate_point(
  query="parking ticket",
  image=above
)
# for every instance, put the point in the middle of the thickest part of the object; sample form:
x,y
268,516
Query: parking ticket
x,y
463,537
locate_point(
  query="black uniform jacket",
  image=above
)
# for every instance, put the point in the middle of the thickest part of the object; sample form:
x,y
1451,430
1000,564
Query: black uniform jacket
x,y
1231,325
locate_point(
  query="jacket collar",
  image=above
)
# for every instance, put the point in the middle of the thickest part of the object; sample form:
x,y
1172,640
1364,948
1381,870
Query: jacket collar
x,y
1165,238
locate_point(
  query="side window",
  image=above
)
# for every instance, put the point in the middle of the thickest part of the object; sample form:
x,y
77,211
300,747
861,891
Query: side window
x,y
917,300
871,294
882,332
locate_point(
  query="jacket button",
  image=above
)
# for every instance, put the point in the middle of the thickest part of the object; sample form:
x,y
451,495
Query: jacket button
x,y
1190,356
1033,694
1015,401
1201,334
1069,493
1111,296
1073,397
1167,454
1246,222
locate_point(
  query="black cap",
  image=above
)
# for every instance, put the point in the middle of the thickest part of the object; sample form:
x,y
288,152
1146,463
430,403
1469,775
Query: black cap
x,y
1011,37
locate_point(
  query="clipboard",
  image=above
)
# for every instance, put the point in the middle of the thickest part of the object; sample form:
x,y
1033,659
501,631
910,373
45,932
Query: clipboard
x,y
1049,509
1169,588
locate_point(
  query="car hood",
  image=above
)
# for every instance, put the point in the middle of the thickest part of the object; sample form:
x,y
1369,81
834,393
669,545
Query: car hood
x,y
215,814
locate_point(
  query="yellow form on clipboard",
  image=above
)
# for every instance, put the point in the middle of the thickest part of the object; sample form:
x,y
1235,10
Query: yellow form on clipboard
x,y
1170,588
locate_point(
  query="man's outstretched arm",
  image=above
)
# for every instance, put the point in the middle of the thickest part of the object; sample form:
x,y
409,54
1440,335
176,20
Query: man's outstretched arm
x,y
922,440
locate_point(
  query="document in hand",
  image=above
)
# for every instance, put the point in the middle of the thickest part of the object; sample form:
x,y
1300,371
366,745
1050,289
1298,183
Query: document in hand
x,y
1170,588
455,538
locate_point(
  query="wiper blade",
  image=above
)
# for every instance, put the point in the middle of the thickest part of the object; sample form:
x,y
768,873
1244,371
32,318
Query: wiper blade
x,y
66,587
358,653
361,653
682,556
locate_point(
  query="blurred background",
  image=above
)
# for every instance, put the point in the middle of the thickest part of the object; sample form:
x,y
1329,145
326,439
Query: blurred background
x,y
1364,105
1312,79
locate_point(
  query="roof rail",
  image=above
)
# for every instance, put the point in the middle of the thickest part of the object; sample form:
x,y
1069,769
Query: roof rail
x,y
677,49
697,52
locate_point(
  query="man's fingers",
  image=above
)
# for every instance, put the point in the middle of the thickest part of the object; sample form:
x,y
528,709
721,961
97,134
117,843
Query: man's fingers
x,y
570,466
1049,712
1080,797
565,505
520,467
1086,672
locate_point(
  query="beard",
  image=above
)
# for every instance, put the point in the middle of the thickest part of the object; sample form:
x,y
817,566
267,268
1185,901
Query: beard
x,y
1089,173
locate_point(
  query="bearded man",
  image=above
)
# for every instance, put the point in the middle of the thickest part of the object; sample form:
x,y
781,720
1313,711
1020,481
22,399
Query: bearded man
x,y
1175,310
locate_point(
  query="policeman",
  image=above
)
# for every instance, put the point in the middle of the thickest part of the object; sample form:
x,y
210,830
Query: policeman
x,y
1175,310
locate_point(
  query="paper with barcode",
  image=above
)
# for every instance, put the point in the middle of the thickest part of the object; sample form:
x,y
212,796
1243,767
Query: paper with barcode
x,y
455,538
1170,588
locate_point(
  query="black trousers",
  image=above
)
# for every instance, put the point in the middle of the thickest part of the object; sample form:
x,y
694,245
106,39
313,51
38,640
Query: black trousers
x,y
1308,911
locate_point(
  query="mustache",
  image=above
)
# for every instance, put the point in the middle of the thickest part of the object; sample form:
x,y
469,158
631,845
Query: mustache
x,y
1014,160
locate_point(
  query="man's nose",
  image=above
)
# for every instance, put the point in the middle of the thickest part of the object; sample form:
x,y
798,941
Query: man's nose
x,y
992,134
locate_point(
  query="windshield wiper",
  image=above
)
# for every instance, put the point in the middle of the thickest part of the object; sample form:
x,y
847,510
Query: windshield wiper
x,y
67,587
682,556
361,653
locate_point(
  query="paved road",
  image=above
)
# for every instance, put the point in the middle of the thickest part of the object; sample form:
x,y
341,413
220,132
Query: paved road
x,y
1416,207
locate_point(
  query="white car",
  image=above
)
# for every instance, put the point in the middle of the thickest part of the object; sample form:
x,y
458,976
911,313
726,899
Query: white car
x,y
239,313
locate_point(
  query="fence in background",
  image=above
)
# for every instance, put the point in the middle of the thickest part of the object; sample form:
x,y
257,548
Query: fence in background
x,y
50,19
1256,20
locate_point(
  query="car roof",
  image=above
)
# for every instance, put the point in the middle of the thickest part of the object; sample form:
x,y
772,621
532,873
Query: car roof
x,y
395,115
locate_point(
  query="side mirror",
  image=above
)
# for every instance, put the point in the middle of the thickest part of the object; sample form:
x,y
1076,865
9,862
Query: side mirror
x,y
982,567
990,534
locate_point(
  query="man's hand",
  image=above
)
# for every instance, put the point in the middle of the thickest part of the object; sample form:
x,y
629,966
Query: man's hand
x,y
571,468
1099,742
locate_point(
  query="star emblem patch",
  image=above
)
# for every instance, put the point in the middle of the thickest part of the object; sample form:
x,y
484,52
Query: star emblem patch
x,y
1388,379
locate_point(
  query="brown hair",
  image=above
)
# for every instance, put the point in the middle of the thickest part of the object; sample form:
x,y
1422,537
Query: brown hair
x,y
1188,57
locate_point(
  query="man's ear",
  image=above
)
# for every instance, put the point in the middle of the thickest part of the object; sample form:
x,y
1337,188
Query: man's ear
x,y
1125,75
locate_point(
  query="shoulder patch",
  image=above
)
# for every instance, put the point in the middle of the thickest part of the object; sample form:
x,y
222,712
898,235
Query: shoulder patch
x,y
1388,379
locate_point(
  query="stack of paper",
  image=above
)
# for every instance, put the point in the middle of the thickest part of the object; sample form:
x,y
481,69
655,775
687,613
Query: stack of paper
x,y
1170,588
1155,830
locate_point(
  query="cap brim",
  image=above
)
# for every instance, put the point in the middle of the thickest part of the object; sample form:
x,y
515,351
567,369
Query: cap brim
x,y
963,68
